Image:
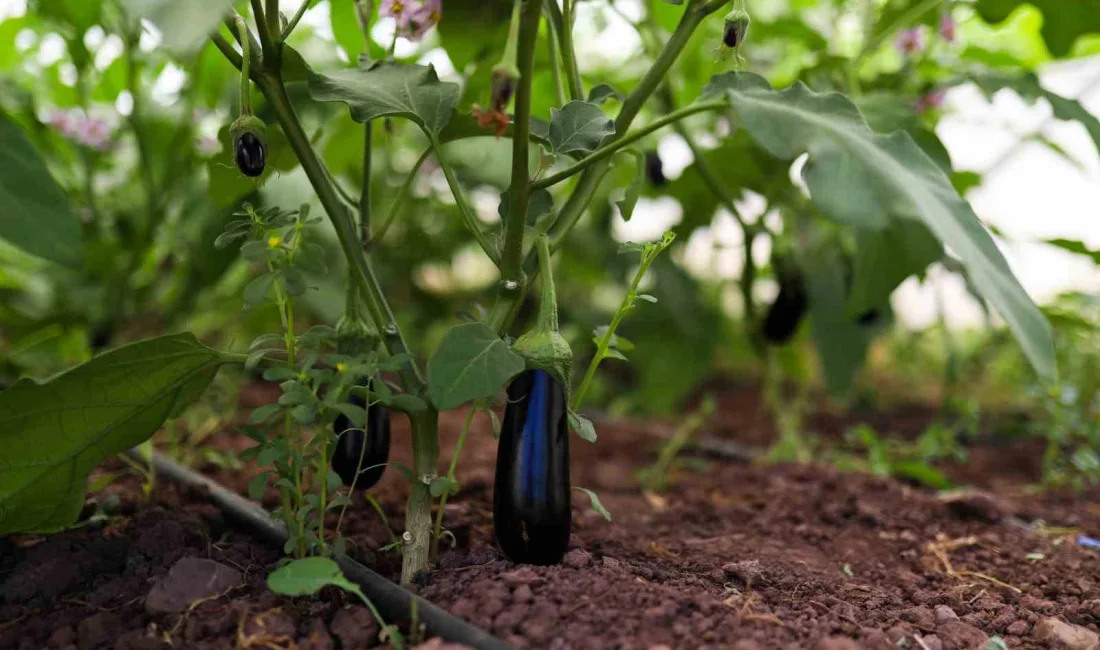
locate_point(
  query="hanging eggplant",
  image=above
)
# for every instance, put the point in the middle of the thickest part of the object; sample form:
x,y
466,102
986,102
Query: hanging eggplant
x,y
532,497
790,306
360,455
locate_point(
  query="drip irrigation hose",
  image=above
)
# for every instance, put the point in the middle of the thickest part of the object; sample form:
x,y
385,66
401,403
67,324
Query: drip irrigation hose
x,y
391,600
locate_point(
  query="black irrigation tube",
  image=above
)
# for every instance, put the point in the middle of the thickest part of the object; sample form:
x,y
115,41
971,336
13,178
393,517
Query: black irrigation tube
x,y
392,601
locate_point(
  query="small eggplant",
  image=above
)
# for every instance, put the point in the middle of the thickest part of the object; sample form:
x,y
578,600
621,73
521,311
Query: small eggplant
x,y
531,496
790,306
655,169
362,452
249,145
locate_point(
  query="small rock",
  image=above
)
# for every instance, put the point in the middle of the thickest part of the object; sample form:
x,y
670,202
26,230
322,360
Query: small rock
x,y
957,635
97,629
944,614
523,594
190,579
510,618
612,563
272,623
577,559
440,644
1019,628
318,637
746,644
932,642
920,617
659,647
1064,636
837,643
62,637
355,627
747,571
974,504
521,576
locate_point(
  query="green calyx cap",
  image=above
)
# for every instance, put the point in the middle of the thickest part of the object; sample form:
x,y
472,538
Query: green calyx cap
x,y
354,336
543,348
248,124
737,28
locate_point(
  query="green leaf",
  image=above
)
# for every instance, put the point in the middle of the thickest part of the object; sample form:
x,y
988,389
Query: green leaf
x,y
385,88
603,92
471,362
885,258
35,214
840,342
257,290
53,434
869,181
634,190
443,485
582,426
1063,21
184,24
1076,247
307,576
578,126
403,402
596,505
1027,86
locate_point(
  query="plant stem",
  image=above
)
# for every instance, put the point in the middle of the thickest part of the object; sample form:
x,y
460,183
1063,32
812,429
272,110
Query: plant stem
x,y
468,216
246,63
554,51
261,28
511,260
399,200
451,475
364,194
605,340
418,511
569,54
274,29
620,144
294,21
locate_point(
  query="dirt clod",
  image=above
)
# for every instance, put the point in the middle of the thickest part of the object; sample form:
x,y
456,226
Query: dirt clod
x,y
354,627
1065,636
189,580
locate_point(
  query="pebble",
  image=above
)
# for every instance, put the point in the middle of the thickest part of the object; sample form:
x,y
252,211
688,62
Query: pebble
x,y
577,559
974,504
957,635
920,617
932,642
355,627
944,614
1019,628
837,643
523,594
1064,636
318,637
190,579
521,576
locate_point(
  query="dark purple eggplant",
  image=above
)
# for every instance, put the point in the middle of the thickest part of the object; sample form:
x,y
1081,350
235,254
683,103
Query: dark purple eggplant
x,y
789,309
531,497
655,169
362,452
249,154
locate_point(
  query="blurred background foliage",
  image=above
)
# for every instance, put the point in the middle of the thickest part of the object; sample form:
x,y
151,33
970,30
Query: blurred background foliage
x,y
140,144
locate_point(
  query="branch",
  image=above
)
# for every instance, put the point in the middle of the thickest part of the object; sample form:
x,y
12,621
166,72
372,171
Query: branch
x,y
616,146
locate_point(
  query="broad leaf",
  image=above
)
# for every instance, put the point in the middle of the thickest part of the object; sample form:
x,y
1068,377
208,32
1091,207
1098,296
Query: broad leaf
x,y
869,181
885,258
307,576
840,341
381,89
35,214
633,191
53,434
578,126
472,362
582,426
184,24
1063,20
1027,86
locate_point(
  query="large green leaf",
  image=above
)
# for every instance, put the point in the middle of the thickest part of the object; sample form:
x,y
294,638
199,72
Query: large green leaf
x,y
184,24
840,341
1027,86
885,258
471,362
1063,20
53,434
868,180
35,214
380,89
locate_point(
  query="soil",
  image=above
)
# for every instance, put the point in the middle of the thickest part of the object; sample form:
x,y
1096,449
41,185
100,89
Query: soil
x,y
732,555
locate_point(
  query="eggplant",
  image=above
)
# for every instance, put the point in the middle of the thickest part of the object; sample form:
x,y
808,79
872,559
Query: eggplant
x,y
532,507
362,452
789,309
655,169
249,154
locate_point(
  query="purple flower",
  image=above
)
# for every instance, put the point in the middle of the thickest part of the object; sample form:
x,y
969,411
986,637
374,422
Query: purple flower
x,y
94,134
911,41
63,122
930,100
414,18
948,27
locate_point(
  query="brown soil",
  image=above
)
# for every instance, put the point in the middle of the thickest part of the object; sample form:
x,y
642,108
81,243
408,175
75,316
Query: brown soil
x,y
731,556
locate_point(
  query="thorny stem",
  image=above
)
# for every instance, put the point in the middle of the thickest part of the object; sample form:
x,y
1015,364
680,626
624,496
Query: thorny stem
x,y
437,533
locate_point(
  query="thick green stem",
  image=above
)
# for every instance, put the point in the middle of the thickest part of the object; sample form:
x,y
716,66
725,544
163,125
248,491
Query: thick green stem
x,y
554,51
364,194
418,511
246,63
511,260
338,213
438,532
620,144
266,46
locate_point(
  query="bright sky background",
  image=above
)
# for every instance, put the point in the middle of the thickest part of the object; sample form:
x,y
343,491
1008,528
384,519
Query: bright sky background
x,y
1032,195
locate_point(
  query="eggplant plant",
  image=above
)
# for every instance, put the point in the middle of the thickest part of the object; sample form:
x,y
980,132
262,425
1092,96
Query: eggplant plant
x,y
874,188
